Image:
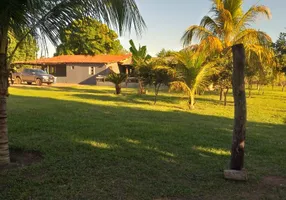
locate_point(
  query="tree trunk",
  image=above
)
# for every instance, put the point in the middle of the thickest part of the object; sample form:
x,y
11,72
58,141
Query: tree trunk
x,y
141,89
118,89
192,101
156,92
239,130
249,88
220,94
4,84
4,149
225,95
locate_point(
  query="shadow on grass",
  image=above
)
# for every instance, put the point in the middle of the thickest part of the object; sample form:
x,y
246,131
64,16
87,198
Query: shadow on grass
x,y
105,152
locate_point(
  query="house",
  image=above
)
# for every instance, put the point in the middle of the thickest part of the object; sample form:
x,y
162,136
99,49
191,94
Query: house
x,y
81,69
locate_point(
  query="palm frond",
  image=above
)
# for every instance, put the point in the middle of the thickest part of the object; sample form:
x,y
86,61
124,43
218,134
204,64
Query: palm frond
x,y
210,25
202,79
195,32
211,44
251,15
48,17
116,78
179,86
252,36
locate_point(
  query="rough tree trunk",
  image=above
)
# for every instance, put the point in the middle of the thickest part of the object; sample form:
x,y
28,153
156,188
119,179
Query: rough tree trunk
x,y
118,89
225,95
239,130
4,148
220,94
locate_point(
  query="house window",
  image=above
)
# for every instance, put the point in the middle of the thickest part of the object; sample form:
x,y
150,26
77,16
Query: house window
x,y
72,67
91,70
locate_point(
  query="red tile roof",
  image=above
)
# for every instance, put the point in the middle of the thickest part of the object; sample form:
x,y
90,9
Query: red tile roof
x,y
73,59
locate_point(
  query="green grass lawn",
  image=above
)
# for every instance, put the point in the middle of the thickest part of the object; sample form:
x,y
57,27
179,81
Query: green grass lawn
x,y
97,145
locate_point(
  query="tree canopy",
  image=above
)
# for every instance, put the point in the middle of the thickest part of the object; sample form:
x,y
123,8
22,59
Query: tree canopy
x,y
280,49
88,36
165,53
27,49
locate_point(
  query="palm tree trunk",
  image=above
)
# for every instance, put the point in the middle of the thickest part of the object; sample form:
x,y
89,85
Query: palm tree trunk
x,y
239,129
4,74
118,89
192,100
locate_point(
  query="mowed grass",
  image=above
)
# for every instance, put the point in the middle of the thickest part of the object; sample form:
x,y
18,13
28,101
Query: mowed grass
x,y
97,145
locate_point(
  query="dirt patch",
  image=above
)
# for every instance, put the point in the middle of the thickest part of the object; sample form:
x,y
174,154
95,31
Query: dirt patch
x,y
273,181
21,158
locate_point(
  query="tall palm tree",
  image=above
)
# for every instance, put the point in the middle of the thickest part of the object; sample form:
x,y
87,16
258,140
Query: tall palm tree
x,y
195,71
45,18
229,25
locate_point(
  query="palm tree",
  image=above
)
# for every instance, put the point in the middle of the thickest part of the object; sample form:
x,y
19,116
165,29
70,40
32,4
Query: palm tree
x,y
228,26
195,71
117,79
45,18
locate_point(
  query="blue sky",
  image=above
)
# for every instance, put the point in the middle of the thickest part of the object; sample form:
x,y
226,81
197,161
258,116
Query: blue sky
x,y
168,19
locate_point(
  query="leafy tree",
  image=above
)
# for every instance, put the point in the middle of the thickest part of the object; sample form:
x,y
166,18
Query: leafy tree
x,y
117,79
27,50
195,71
88,36
165,53
157,76
280,58
140,59
228,26
280,49
45,18
258,68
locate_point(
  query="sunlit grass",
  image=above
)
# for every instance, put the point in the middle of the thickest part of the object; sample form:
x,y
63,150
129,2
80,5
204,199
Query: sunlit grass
x,y
213,151
98,145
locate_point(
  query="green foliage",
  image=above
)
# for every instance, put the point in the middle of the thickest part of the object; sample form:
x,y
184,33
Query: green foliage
x,y
88,36
27,50
156,75
47,18
229,25
194,71
280,50
139,56
116,78
165,53
141,61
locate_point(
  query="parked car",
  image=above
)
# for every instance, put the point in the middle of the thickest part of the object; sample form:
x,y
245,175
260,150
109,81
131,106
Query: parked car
x,y
30,76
